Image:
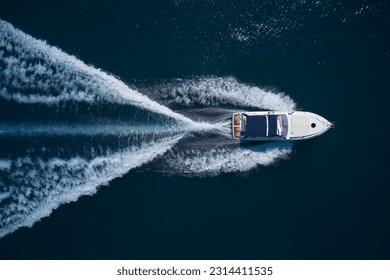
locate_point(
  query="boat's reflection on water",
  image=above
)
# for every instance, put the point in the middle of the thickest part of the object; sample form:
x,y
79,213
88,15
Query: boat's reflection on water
x,y
262,146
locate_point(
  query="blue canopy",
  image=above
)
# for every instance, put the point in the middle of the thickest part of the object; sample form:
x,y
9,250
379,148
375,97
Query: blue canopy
x,y
272,125
256,126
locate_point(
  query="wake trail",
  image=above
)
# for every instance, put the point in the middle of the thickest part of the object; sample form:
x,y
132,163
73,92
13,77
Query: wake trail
x,y
80,129
212,157
34,72
33,187
201,92
196,140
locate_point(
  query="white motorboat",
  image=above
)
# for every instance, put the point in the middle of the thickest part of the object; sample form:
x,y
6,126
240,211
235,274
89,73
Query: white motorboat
x,y
272,125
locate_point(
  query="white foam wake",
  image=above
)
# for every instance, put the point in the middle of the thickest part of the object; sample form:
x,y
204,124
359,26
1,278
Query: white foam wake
x,y
36,187
216,92
67,129
35,72
212,162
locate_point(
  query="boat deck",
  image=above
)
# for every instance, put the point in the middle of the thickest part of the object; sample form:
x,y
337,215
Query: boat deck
x,y
237,126
300,125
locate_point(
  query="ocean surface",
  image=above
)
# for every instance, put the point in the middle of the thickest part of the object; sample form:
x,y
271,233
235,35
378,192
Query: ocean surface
x,y
115,130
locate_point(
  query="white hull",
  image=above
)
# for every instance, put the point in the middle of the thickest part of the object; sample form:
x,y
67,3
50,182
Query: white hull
x,y
272,125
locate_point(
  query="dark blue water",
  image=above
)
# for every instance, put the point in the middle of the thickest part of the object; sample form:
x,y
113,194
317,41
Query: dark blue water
x,y
114,130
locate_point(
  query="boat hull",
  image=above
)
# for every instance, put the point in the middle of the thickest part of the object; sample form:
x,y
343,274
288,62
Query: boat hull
x,y
274,125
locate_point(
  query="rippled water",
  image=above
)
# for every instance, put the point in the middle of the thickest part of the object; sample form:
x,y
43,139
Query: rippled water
x,y
125,112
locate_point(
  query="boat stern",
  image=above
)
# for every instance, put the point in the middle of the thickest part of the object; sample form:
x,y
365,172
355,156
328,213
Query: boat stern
x,y
236,126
